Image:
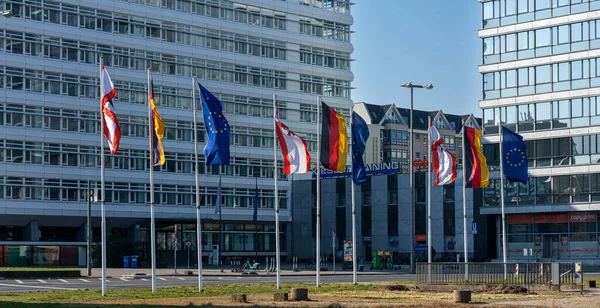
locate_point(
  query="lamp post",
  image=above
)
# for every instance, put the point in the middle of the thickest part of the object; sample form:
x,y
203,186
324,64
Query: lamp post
x,y
411,86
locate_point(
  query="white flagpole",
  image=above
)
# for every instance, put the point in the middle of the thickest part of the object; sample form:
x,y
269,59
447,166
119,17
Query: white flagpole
x,y
429,160
318,231
103,204
504,248
276,193
354,280
198,220
464,191
152,226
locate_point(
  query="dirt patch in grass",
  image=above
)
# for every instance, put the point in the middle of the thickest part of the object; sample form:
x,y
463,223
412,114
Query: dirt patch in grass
x,y
397,287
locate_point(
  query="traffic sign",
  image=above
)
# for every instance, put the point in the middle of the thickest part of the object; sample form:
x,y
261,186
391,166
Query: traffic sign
x,y
474,226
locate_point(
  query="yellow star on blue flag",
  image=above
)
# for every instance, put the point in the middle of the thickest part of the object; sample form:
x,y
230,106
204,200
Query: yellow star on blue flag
x,y
514,156
216,150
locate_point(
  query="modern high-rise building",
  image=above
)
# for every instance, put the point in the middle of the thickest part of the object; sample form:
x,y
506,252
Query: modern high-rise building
x,y
541,78
243,51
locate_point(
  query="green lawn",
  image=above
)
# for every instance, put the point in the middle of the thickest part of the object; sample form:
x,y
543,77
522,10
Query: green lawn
x,y
175,292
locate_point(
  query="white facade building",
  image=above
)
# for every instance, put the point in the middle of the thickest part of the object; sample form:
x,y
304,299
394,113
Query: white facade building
x,y
242,51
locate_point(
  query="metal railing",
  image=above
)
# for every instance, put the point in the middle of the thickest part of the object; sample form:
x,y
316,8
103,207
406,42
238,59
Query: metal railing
x,y
494,273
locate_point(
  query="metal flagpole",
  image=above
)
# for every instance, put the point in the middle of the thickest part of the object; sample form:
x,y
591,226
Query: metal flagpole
x,y
411,180
354,261
276,193
318,231
198,220
255,221
464,192
152,226
429,256
502,195
103,203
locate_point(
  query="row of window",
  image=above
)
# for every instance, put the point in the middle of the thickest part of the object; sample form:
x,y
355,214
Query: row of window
x,y
577,112
40,189
324,57
69,155
578,74
507,12
131,126
141,60
90,18
324,86
542,42
325,29
226,10
565,151
564,189
180,34
339,6
87,87
394,137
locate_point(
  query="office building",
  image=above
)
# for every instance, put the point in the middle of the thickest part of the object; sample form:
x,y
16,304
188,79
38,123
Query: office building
x,y
242,51
540,77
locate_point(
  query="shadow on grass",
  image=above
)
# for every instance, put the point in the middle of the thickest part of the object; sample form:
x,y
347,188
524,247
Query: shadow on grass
x,y
56,305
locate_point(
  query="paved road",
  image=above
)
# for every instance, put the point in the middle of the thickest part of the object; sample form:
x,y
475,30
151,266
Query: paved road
x,y
29,285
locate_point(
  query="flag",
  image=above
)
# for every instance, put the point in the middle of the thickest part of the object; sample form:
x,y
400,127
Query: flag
x,y
444,163
514,156
474,163
112,131
218,202
216,150
158,128
293,149
360,134
255,205
334,139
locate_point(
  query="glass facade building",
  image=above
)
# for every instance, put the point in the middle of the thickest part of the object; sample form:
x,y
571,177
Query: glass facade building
x,y
541,78
243,53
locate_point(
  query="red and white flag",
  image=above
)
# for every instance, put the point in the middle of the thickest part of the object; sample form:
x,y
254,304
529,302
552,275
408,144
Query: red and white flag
x,y
294,150
444,163
112,131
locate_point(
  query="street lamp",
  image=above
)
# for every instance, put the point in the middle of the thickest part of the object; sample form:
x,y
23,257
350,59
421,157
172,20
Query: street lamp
x,y
6,13
411,86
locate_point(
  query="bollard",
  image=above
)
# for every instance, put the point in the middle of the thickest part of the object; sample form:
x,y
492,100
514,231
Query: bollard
x,y
299,294
462,296
591,283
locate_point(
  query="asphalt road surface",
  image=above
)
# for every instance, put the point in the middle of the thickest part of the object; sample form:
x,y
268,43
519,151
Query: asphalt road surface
x,y
29,285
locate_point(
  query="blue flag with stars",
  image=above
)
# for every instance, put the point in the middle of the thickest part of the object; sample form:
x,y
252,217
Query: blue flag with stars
x,y
514,156
360,134
216,150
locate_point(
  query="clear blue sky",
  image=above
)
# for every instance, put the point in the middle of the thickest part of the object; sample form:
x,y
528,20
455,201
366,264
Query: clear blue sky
x,y
423,41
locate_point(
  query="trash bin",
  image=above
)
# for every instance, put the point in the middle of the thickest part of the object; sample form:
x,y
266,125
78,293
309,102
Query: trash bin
x,y
126,262
134,260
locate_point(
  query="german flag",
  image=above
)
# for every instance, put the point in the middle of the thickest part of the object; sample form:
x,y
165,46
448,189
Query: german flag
x,y
474,163
158,128
334,139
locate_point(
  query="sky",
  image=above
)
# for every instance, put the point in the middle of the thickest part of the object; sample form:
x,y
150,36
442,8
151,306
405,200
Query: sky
x,y
422,41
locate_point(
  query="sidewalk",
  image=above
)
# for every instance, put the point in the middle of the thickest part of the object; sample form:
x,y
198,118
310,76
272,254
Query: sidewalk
x,y
216,271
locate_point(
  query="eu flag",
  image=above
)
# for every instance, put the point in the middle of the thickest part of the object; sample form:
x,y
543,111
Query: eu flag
x,y
216,150
514,156
360,134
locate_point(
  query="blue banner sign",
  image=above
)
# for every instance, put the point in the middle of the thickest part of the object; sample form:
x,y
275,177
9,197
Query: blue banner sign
x,y
372,169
